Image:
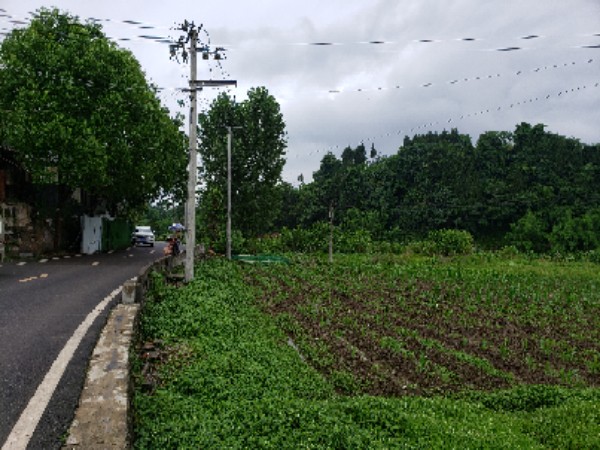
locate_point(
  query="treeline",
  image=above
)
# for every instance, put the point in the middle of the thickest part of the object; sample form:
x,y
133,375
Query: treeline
x,y
530,188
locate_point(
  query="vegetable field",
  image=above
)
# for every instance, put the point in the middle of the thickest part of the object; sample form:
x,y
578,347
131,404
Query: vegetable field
x,y
372,352
384,326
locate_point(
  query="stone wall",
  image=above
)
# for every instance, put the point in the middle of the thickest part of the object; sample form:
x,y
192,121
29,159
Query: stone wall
x,y
21,236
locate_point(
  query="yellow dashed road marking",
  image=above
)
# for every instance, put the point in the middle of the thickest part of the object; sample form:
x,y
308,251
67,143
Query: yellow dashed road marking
x,y
26,280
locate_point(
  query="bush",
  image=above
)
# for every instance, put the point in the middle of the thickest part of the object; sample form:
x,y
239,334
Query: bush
x,y
508,252
448,243
593,256
238,242
529,234
268,244
313,239
358,241
388,247
574,234
524,398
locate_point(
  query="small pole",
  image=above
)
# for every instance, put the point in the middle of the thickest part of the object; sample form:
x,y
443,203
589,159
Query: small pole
x,y
229,133
330,233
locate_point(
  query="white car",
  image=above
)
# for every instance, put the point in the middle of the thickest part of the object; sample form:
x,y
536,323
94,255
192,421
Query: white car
x,y
143,235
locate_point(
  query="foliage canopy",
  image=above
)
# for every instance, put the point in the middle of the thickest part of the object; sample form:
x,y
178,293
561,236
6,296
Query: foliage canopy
x,y
258,149
530,188
78,112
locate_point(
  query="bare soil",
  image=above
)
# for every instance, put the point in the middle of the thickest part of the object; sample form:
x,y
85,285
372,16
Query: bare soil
x,y
392,339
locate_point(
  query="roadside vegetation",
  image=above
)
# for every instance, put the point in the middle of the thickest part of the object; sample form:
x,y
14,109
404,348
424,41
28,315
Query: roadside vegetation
x,y
480,350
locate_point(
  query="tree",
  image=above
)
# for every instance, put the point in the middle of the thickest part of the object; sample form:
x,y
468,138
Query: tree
x,y
495,200
437,181
258,149
79,113
327,181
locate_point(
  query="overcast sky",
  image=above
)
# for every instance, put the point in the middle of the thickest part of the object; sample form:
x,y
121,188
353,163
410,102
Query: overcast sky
x,y
394,67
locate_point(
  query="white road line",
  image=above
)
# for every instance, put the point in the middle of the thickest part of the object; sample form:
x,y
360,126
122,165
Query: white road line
x,y
23,430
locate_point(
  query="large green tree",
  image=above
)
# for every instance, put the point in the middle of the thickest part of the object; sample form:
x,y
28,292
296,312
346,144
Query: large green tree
x,y
79,112
538,186
258,150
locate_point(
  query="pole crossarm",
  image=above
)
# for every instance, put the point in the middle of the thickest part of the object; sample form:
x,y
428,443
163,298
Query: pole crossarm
x,y
212,83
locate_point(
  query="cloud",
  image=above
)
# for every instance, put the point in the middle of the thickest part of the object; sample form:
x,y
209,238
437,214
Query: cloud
x,y
395,67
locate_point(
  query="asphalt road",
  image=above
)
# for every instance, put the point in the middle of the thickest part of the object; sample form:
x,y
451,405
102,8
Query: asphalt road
x,y
41,305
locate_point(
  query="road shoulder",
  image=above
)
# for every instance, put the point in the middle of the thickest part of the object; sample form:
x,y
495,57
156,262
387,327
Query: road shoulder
x,y
101,419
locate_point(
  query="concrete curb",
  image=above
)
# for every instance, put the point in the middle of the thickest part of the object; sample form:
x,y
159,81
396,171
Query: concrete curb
x,y
102,417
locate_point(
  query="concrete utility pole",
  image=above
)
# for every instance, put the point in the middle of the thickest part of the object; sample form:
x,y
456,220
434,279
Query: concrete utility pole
x,y
228,228
190,210
331,212
195,86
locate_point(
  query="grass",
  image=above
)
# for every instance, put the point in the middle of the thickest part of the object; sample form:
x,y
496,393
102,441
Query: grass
x,y
239,364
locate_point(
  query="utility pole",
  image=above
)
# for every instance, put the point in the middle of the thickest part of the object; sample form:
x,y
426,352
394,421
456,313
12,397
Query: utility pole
x,y
194,86
331,212
228,228
190,210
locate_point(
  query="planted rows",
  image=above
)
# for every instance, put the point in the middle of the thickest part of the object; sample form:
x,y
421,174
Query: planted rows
x,y
392,327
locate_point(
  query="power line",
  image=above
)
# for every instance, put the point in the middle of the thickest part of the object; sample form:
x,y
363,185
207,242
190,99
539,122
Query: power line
x,y
563,93
144,26
462,80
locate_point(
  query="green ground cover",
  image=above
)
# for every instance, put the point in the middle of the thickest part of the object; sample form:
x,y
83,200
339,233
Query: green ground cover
x,y
372,352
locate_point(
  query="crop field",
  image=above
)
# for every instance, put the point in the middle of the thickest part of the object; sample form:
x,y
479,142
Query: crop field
x,y
389,327
374,351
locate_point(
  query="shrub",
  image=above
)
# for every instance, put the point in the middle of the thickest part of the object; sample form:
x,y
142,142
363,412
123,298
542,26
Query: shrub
x,y
529,234
593,256
524,398
238,242
573,234
449,242
508,252
267,244
358,241
313,239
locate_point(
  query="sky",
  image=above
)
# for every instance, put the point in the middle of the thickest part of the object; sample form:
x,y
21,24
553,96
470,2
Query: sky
x,y
347,72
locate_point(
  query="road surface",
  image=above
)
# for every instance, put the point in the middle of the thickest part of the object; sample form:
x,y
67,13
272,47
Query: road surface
x,y
42,303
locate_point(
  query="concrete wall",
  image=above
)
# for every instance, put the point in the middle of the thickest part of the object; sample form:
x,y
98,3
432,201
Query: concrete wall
x,y
22,236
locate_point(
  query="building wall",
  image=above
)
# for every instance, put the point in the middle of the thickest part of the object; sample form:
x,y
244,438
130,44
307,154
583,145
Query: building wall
x,y
22,236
